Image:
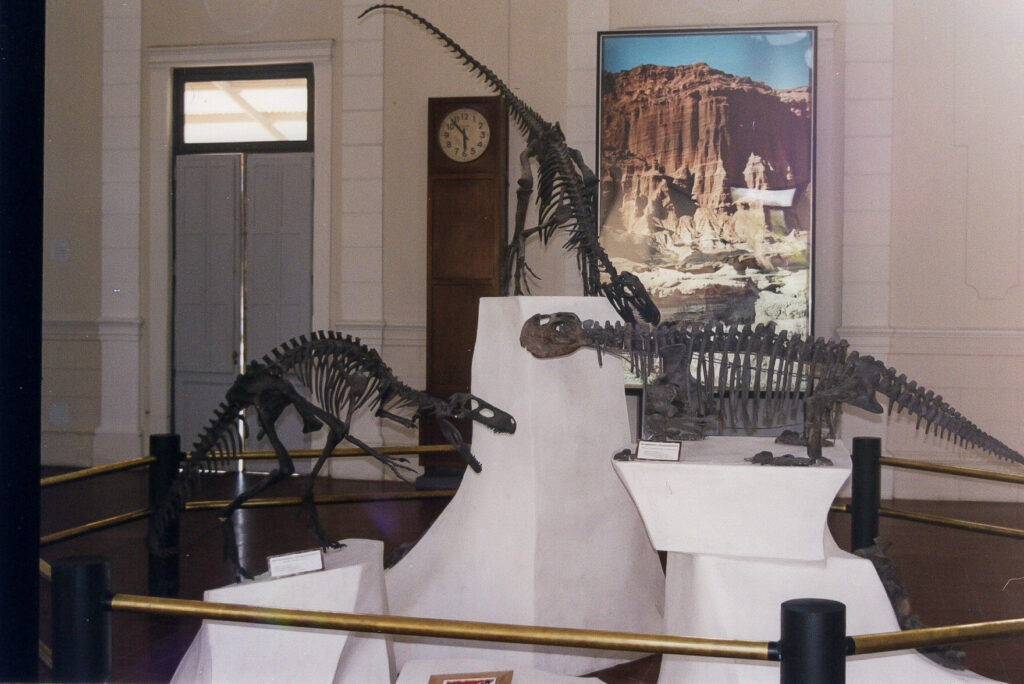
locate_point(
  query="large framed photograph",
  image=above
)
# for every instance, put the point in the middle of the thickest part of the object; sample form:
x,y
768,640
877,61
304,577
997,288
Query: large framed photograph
x,y
706,161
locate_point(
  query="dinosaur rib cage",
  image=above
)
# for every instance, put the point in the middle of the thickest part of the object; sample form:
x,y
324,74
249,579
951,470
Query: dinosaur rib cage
x,y
751,372
340,372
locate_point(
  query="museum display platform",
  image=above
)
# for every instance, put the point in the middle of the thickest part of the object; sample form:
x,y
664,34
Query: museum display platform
x,y
546,526
743,538
352,581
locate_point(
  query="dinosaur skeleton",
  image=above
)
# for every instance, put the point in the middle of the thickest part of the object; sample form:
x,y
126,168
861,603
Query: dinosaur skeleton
x,y
341,375
567,198
755,376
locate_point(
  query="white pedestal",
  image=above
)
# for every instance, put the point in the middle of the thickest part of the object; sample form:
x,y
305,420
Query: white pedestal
x,y
741,539
545,535
353,582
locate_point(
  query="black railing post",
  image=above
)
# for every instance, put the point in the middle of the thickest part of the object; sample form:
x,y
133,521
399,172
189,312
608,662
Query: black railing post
x,y
80,589
813,644
867,491
163,569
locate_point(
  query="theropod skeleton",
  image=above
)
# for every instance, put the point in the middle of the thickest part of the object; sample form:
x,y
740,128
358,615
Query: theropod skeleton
x,y
341,376
567,198
755,376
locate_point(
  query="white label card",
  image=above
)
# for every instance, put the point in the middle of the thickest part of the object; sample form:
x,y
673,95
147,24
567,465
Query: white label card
x,y
657,451
288,564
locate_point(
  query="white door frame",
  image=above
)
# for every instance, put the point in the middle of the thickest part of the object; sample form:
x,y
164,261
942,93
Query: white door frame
x,y
161,62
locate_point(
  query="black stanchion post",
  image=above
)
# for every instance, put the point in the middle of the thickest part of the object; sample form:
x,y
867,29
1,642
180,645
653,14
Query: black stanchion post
x,y
867,491
163,569
813,643
81,619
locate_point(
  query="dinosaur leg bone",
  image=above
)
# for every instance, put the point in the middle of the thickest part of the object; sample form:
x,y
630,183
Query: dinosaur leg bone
x,y
515,259
304,407
333,438
284,469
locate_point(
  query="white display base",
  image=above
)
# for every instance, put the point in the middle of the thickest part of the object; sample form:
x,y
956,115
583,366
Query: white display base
x,y
709,508
235,652
419,672
713,501
545,535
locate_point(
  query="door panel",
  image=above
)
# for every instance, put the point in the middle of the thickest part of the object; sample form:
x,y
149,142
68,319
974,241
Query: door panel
x,y
238,218
279,257
207,252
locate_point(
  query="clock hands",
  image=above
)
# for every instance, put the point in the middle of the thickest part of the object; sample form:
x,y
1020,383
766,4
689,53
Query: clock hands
x,y
465,136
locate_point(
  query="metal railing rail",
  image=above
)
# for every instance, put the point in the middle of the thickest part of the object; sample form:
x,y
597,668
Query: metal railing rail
x,y
668,644
940,521
156,447
96,471
923,637
324,499
866,507
265,502
95,526
959,471
447,629
813,632
346,452
164,463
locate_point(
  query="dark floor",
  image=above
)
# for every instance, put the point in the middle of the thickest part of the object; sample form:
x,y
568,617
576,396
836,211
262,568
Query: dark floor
x,y
952,576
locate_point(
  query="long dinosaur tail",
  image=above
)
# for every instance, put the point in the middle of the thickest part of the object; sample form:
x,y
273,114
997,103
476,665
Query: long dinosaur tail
x,y
218,440
946,421
168,511
525,117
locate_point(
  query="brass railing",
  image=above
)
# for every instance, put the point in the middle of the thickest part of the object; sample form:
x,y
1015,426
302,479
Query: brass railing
x,y
139,514
95,471
448,629
940,520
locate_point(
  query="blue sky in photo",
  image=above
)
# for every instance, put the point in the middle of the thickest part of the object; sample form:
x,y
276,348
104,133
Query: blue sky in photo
x,y
782,59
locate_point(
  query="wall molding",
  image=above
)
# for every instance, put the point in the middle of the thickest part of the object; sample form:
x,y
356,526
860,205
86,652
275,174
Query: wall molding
x,y
70,330
887,341
405,335
212,55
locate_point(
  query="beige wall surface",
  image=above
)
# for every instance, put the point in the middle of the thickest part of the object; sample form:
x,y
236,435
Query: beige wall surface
x,y
71,219
920,234
957,306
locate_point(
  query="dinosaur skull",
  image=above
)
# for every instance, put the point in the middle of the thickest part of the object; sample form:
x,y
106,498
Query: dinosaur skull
x,y
465,405
547,336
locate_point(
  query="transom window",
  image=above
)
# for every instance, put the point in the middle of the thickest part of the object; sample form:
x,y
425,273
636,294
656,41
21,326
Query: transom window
x,y
262,108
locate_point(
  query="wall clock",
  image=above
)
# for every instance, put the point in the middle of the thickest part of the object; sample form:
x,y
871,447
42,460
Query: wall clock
x,y
464,134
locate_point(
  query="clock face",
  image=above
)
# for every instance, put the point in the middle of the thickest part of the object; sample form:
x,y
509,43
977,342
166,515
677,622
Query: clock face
x,y
464,134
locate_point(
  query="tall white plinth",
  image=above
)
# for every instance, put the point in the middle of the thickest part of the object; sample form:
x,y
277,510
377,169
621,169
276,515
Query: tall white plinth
x,y
352,582
545,535
742,539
